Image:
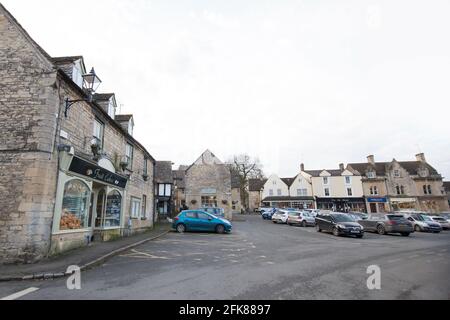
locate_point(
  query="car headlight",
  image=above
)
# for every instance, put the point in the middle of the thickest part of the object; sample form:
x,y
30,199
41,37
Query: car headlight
x,y
341,226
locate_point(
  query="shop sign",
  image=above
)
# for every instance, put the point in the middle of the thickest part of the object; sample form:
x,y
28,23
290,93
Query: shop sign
x,y
95,172
377,200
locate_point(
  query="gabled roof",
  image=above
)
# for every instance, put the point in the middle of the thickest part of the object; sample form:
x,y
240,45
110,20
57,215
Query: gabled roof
x,y
332,172
256,184
179,178
288,181
381,167
67,59
163,172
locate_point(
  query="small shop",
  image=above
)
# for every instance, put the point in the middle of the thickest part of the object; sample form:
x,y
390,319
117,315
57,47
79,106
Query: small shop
x,y
342,204
89,203
377,204
398,204
290,202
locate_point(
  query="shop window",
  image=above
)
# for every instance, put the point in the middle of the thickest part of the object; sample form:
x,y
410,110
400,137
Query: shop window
x,y
209,202
113,209
75,206
101,198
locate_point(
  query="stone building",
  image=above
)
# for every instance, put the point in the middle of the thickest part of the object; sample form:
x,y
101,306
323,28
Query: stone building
x,y
401,185
179,186
236,197
207,183
255,189
67,176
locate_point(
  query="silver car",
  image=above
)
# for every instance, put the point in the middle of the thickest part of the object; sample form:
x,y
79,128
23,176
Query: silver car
x,y
445,224
302,218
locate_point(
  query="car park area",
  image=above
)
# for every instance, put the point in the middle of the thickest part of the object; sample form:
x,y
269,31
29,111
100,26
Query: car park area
x,y
262,260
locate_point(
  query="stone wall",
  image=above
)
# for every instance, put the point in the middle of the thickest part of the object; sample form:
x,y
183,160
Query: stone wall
x,y
28,105
254,200
201,177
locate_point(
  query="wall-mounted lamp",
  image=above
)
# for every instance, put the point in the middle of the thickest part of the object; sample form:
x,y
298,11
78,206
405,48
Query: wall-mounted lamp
x,y
91,82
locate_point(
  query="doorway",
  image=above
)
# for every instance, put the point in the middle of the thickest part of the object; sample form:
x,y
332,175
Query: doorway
x,y
373,208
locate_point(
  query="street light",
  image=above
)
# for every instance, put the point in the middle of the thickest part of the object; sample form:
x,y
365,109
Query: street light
x,y
91,82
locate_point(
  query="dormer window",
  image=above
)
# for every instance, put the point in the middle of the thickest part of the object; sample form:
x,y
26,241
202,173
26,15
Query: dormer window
x,y
397,173
111,109
371,174
130,128
77,74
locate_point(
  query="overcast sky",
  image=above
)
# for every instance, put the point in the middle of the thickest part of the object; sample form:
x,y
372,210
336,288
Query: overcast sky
x,y
287,81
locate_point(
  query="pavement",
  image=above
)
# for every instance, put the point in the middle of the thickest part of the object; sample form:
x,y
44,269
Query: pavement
x,y
260,260
85,258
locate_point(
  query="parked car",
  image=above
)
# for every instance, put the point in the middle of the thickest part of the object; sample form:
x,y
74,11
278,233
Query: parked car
x,y
445,215
197,220
267,214
218,212
262,209
280,216
445,224
388,223
357,216
339,224
302,218
313,212
423,223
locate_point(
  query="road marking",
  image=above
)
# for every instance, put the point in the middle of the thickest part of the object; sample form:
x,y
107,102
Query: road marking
x,y
394,260
138,254
20,294
413,256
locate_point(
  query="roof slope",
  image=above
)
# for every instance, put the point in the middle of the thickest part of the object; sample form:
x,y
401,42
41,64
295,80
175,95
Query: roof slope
x,y
163,172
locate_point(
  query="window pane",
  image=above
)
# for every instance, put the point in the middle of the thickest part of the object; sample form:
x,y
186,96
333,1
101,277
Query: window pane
x,y
168,190
75,206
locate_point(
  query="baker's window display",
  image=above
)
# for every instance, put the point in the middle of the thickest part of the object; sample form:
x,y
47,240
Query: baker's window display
x,y
75,206
113,208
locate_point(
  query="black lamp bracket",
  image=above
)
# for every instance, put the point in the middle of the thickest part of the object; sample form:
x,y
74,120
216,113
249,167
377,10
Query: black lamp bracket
x,y
70,103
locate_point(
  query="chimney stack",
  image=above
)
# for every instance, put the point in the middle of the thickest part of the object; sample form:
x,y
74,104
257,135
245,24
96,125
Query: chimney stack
x,y
302,167
371,159
341,166
421,157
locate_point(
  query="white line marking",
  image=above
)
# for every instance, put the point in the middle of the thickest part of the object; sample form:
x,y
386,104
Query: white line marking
x,y
393,260
413,256
20,294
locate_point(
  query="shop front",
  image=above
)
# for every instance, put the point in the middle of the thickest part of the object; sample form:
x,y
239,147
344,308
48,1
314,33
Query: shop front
x,y
342,204
289,202
377,204
398,204
89,203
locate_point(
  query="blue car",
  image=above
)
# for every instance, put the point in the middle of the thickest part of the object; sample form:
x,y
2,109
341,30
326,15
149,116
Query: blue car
x,y
197,220
267,214
218,212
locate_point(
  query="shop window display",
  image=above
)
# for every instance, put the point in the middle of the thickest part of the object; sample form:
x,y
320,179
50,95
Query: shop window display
x,y
75,206
113,209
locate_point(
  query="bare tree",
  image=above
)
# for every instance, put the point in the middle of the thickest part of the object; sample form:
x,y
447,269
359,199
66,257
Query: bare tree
x,y
245,167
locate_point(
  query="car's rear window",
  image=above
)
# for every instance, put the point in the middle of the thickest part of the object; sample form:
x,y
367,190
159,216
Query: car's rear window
x,y
439,219
395,217
294,213
190,215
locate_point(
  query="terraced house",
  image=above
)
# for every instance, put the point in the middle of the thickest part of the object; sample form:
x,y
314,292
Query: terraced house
x,y
71,171
401,185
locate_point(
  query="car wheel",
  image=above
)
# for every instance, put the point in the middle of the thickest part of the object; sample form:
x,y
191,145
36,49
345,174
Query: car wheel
x,y
381,230
181,228
417,228
304,224
220,229
335,232
405,234
274,221
318,228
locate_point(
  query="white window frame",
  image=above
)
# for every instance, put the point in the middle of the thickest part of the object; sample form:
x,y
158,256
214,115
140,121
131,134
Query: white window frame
x,y
397,173
325,192
111,109
326,180
129,154
371,175
348,180
271,192
161,189
279,192
135,211
350,192
98,131
167,190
